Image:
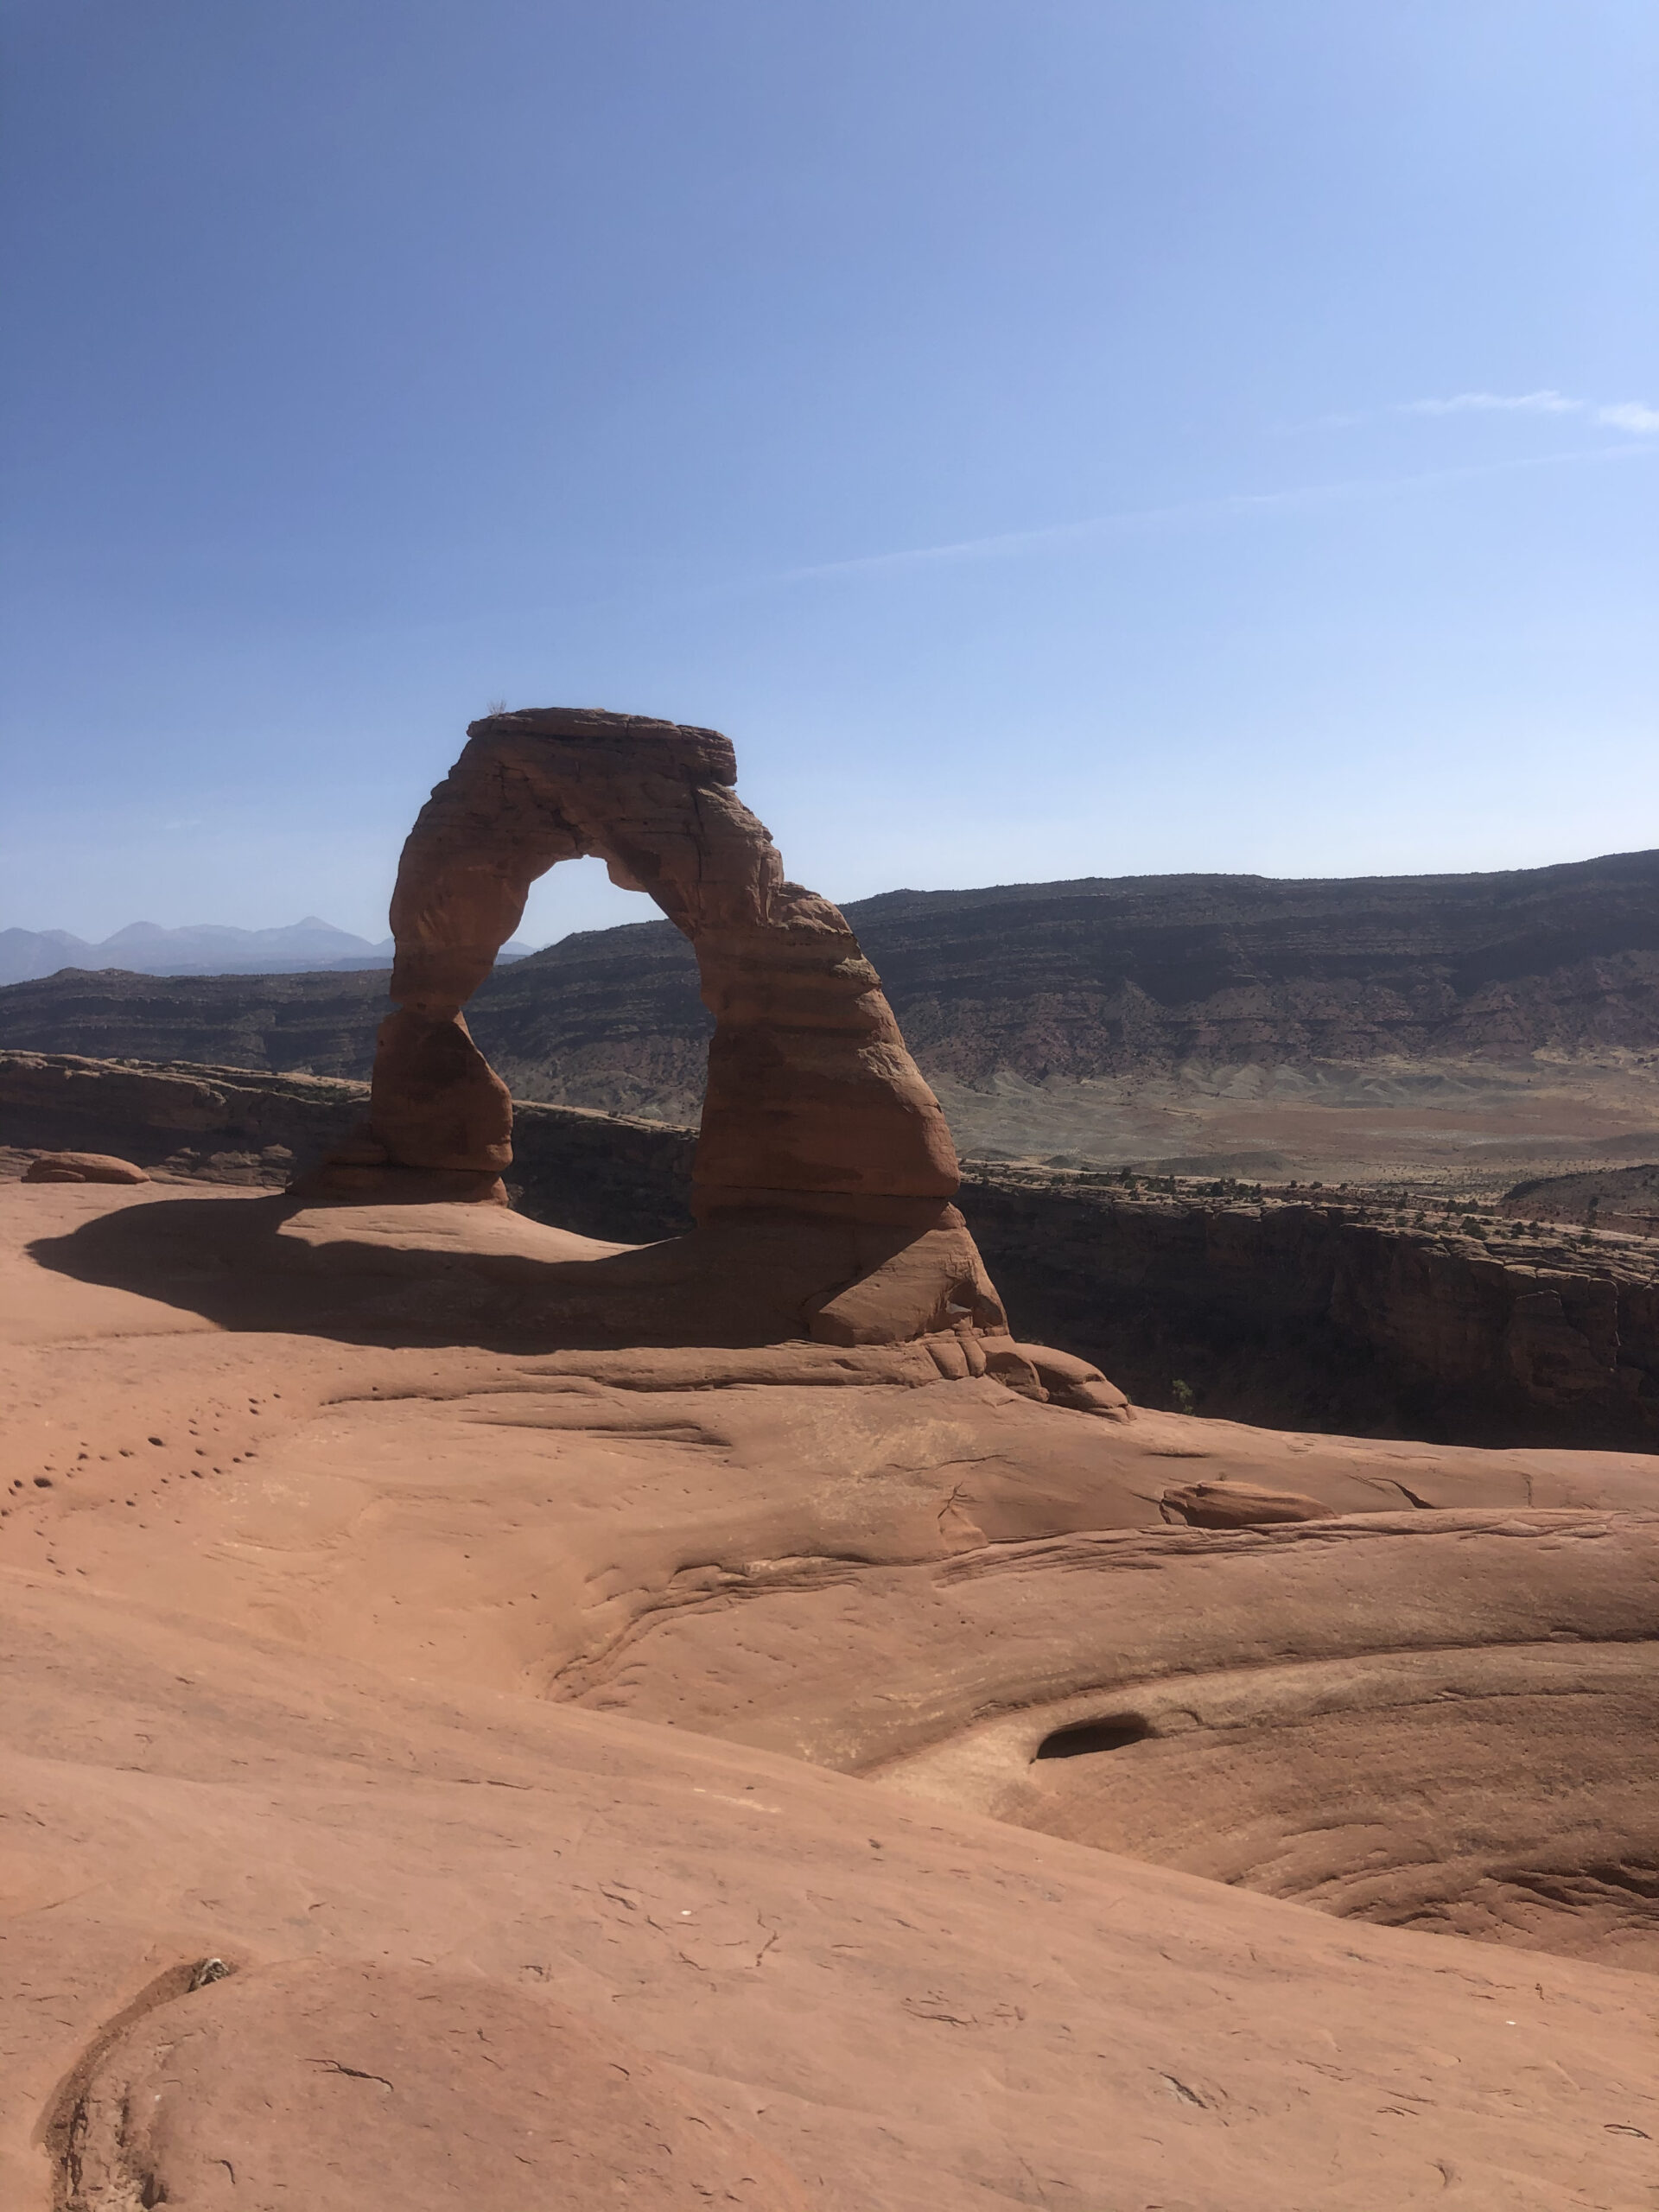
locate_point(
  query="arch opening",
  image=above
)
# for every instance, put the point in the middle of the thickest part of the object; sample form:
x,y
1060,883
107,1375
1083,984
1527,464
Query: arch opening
x,y
574,896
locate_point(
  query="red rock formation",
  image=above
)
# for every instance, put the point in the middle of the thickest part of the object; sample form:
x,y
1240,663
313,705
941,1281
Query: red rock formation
x,y
1237,1505
812,1098
466,1700
466,2093
815,1110
82,1167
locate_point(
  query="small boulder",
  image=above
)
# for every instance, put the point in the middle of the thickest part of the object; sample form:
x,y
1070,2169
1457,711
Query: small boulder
x,y
1237,1505
82,1167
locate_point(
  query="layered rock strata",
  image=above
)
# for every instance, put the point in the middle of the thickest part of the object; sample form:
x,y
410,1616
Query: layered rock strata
x,y
1331,1314
815,1114
600,1175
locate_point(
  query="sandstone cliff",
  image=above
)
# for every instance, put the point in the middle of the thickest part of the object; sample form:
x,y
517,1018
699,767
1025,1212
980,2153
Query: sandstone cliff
x,y
1333,1313
311,1024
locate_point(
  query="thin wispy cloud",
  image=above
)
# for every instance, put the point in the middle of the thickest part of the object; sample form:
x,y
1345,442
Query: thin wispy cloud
x,y
1630,414
1009,545
1634,416
1487,403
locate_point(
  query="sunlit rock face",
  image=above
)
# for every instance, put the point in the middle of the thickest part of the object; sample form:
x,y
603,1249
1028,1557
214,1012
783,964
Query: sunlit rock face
x,y
811,1093
816,1115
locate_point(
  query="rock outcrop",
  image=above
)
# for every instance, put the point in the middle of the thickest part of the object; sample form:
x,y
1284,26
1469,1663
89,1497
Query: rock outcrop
x,y
82,1167
1277,1309
812,1098
814,1112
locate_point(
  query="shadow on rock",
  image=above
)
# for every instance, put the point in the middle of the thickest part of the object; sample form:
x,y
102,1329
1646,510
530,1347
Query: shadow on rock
x,y
480,1275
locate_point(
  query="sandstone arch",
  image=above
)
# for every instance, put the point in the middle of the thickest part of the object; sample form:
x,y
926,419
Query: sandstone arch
x,y
815,1112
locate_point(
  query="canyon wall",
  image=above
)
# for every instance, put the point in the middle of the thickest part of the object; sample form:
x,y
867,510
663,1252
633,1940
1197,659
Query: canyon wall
x,y
1122,978
1333,1315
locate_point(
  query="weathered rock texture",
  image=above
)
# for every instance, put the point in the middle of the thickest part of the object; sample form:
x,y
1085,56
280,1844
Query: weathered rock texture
x,y
481,1704
814,1112
466,2092
82,1167
1332,1313
1317,1314
811,1094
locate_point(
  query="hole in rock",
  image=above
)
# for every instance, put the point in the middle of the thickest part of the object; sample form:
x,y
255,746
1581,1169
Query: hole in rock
x,y
578,895
536,1029
1112,1734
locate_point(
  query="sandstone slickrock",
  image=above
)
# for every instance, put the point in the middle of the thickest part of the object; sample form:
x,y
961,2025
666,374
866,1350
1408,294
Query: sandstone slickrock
x,y
313,2082
1237,1505
353,1636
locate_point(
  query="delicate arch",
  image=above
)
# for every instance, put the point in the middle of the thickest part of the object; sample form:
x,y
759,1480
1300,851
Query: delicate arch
x,y
813,1101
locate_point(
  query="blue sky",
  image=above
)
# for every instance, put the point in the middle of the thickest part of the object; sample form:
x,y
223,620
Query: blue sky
x,y
1051,438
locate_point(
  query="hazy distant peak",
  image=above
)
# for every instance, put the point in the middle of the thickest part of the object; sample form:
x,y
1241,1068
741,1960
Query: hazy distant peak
x,y
200,949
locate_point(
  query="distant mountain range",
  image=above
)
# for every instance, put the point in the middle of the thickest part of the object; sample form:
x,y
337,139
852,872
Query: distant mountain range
x,y
200,948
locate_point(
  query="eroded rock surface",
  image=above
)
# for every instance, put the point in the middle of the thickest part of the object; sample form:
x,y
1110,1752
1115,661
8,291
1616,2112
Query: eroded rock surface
x,y
356,2083
812,1094
82,1167
816,1120
481,1703
500,1715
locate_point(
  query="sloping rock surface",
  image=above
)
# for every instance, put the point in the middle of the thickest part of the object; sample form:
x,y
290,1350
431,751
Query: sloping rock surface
x,y
356,2082
485,1708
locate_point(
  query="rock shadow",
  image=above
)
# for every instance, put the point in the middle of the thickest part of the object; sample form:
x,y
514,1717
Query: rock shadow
x,y
446,1275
